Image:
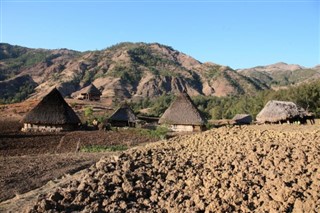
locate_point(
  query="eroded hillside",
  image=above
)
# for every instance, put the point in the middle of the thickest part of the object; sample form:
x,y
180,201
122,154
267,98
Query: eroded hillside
x,y
126,70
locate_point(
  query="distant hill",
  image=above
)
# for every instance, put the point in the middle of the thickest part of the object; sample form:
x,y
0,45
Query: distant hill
x,y
130,71
282,74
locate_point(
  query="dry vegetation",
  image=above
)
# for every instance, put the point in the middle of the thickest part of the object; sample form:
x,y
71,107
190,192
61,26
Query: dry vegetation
x,y
244,169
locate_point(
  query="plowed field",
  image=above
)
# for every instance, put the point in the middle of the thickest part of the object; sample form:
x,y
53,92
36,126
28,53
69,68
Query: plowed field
x,y
248,169
30,160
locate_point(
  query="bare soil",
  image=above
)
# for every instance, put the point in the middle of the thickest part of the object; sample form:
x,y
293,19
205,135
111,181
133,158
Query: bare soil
x,y
230,169
30,160
20,174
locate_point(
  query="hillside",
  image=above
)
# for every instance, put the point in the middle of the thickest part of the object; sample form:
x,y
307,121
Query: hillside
x,y
125,70
282,74
133,71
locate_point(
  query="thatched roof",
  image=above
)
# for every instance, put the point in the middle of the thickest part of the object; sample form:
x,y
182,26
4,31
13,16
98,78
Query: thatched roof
x,y
52,110
276,111
123,113
182,111
242,119
91,89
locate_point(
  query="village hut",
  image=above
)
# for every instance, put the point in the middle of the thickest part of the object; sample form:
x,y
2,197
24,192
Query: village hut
x,y
281,112
52,114
90,93
123,116
240,119
182,115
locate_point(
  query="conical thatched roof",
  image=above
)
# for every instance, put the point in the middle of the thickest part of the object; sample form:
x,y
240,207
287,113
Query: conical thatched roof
x,y
91,89
182,111
52,109
242,118
123,113
276,111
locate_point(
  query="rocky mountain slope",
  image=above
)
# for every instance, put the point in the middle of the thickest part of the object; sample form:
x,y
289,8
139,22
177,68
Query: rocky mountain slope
x,y
282,74
125,70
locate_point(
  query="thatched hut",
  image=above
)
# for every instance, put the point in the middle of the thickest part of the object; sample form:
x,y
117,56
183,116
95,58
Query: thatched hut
x,y
123,116
90,93
241,119
281,112
183,115
52,114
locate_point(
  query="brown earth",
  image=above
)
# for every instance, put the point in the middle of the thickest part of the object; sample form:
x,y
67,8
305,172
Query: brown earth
x,y
30,160
20,174
230,169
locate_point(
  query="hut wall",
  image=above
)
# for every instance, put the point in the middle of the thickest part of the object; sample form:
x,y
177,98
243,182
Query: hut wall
x,y
93,97
122,124
198,128
90,97
47,128
182,128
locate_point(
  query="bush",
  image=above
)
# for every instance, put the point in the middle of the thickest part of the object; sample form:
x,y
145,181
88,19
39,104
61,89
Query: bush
x,y
159,133
88,111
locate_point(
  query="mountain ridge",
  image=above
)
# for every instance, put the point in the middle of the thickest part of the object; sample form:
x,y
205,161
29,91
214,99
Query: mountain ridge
x,y
126,71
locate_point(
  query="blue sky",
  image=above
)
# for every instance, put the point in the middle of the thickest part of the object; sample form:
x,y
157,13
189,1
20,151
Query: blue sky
x,y
239,34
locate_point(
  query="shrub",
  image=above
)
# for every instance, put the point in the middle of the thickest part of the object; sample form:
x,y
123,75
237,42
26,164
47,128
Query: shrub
x,y
159,133
88,112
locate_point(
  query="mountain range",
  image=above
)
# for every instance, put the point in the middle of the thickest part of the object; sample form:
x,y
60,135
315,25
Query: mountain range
x,y
133,70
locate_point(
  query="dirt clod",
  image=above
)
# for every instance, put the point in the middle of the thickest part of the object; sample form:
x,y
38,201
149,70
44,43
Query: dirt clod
x,y
221,170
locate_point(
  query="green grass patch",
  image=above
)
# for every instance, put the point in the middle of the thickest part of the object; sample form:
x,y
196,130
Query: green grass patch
x,y
101,148
159,133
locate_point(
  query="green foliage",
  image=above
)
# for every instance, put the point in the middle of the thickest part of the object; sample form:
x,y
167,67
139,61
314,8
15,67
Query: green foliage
x,y
161,104
55,76
76,79
306,96
98,75
292,77
141,104
101,148
144,55
129,74
88,76
159,133
157,105
213,72
73,104
17,94
88,111
101,118
234,83
25,60
16,58
282,78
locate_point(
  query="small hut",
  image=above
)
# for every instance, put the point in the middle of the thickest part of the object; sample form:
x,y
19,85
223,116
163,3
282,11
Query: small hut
x,y
182,115
123,116
90,93
240,119
52,114
281,112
